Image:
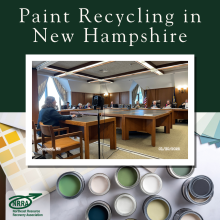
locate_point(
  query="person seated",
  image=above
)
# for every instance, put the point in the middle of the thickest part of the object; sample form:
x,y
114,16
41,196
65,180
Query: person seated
x,y
154,105
183,104
79,106
111,104
137,105
49,116
88,105
67,106
168,104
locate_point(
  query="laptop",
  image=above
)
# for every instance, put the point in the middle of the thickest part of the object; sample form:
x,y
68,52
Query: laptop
x,y
186,106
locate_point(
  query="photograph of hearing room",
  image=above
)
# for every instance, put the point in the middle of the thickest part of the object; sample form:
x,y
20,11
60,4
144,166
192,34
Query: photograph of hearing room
x,y
112,110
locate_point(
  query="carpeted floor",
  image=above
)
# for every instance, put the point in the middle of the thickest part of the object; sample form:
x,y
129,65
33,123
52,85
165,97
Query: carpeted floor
x,y
168,146
107,153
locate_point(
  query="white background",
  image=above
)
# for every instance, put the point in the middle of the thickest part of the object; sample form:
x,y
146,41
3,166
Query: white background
x,y
208,163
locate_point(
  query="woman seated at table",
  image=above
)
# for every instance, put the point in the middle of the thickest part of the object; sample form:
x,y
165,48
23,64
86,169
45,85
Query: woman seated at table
x,y
168,104
88,105
49,116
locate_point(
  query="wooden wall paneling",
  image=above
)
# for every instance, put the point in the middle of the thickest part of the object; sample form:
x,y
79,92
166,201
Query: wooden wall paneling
x,y
114,97
88,98
35,105
164,94
124,98
181,97
78,97
151,96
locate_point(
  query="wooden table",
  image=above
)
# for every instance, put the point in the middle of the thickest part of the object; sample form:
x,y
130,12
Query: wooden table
x,y
89,126
179,113
135,120
68,111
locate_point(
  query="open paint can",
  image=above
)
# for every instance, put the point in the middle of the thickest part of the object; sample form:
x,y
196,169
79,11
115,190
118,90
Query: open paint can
x,y
151,184
198,190
125,204
99,184
127,177
98,210
187,214
182,172
157,208
70,185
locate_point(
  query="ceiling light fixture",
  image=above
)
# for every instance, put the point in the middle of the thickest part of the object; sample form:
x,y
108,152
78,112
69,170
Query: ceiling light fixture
x,y
150,67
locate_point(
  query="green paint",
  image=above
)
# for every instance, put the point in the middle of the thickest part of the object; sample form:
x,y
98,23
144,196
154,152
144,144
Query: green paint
x,y
127,176
69,185
181,171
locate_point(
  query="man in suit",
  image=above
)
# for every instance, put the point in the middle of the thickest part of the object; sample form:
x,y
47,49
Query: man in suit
x,y
67,106
154,105
137,105
183,104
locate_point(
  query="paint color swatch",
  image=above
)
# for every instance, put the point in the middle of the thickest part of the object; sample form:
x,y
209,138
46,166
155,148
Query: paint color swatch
x,y
208,128
13,162
16,120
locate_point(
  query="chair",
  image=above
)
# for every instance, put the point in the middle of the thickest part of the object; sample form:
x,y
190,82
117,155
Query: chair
x,y
174,105
121,105
60,143
35,138
115,105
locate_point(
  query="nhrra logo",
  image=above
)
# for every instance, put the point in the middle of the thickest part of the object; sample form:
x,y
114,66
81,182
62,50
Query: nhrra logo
x,y
22,202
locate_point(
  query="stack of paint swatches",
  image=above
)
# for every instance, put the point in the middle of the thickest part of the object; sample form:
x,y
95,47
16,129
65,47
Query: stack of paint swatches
x,y
197,190
208,128
13,163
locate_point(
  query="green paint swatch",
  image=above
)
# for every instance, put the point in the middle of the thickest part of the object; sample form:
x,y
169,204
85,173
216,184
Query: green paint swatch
x,y
69,185
181,171
127,176
157,210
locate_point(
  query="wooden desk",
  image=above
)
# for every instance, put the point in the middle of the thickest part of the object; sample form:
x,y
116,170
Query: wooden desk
x,y
68,111
179,113
89,126
134,120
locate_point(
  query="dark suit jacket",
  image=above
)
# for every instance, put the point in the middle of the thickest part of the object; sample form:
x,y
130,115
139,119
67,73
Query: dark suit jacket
x,y
49,116
182,106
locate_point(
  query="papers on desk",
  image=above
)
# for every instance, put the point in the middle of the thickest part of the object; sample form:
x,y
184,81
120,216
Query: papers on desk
x,y
148,114
208,128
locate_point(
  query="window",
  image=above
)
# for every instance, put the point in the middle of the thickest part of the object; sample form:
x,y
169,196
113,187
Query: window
x,y
42,100
51,91
139,96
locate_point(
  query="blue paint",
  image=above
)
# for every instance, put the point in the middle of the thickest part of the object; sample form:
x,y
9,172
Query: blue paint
x,y
98,212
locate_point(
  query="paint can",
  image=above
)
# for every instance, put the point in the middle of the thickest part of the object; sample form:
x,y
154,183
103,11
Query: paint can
x,y
187,214
198,190
156,207
98,210
127,177
99,184
180,172
125,204
151,184
70,185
